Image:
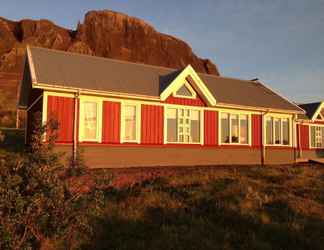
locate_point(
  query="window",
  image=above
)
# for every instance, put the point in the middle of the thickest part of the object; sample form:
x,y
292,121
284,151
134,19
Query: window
x,y
185,91
183,125
317,136
277,131
90,120
131,124
244,129
234,128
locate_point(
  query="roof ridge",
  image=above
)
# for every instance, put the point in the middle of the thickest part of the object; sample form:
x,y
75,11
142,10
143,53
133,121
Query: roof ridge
x,y
310,103
227,77
104,58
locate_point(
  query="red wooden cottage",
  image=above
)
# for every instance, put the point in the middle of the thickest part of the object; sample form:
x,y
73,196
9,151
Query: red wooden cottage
x,y
127,114
310,129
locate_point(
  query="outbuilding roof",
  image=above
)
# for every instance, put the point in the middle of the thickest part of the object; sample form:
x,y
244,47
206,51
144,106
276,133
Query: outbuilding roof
x,y
311,109
77,71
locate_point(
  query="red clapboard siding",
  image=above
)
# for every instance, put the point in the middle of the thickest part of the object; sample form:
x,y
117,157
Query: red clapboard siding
x,y
211,127
304,136
111,122
256,130
152,124
185,101
61,109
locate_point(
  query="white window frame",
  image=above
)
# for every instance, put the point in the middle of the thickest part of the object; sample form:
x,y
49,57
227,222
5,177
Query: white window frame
x,y
310,136
281,118
239,113
98,101
138,122
188,86
192,108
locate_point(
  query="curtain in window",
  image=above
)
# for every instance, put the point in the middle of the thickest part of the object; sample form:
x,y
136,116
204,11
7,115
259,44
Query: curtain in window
x,y
130,123
235,128
269,130
195,126
285,131
313,137
244,129
225,128
277,130
172,135
90,120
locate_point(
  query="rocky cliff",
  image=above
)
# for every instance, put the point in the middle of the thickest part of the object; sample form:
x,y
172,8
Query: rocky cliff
x,y
103,33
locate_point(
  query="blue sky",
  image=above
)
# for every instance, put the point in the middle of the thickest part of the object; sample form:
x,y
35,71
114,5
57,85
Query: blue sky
x,y
281,42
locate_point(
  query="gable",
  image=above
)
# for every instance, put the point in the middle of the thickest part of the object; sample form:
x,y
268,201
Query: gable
x,y
319,114
188,85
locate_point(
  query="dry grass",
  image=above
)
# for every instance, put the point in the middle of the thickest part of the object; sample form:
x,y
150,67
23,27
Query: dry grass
x,y
211,208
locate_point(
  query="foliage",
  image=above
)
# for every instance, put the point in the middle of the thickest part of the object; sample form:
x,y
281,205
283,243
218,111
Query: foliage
x,y
213,208
36,205
77,166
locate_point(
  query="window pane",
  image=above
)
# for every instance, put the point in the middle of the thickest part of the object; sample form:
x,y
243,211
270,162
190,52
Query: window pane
x,y
225,127
184,91
172,125
318,138
130,123
313,136
90,120
195,126
244,129
277,124
269,130
285,131
235,128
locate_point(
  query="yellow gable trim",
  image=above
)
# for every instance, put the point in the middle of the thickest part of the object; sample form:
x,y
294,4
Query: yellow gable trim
x,y
318,112
199,85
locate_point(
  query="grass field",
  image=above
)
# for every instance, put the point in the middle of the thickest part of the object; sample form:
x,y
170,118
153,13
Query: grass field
x,y
254,207
212,208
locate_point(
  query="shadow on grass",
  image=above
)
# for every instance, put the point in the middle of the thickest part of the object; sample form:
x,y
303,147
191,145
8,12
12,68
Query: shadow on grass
x,y
200,222
13,140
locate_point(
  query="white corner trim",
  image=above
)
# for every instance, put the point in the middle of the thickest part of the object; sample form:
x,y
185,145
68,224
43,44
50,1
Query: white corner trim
x,y
31,65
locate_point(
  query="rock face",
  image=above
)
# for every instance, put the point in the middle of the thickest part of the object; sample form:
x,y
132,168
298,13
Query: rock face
x,y
103,33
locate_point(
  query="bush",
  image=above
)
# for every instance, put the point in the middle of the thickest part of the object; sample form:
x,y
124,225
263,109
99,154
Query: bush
x,y
36,205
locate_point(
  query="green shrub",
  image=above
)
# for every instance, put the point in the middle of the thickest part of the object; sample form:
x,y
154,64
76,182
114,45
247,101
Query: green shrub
x,y
36,205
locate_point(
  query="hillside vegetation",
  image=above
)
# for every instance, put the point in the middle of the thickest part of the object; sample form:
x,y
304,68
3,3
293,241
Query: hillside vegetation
x,y
271,207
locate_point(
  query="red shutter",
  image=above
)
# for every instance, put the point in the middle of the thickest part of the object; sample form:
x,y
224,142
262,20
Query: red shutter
x,y
111,122
152,124
304,136
256,130
61,109
210,127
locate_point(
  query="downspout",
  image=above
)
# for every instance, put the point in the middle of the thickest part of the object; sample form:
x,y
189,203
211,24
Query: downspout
x,y
299,141
75,123
263,148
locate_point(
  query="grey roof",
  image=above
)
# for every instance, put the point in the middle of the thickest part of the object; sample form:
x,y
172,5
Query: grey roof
x,y
310,109
73,70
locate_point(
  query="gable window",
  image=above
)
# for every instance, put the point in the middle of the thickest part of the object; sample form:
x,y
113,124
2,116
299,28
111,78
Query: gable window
x,y
185,91
90,117
131,123
277,131
183,125
317,136
234,128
